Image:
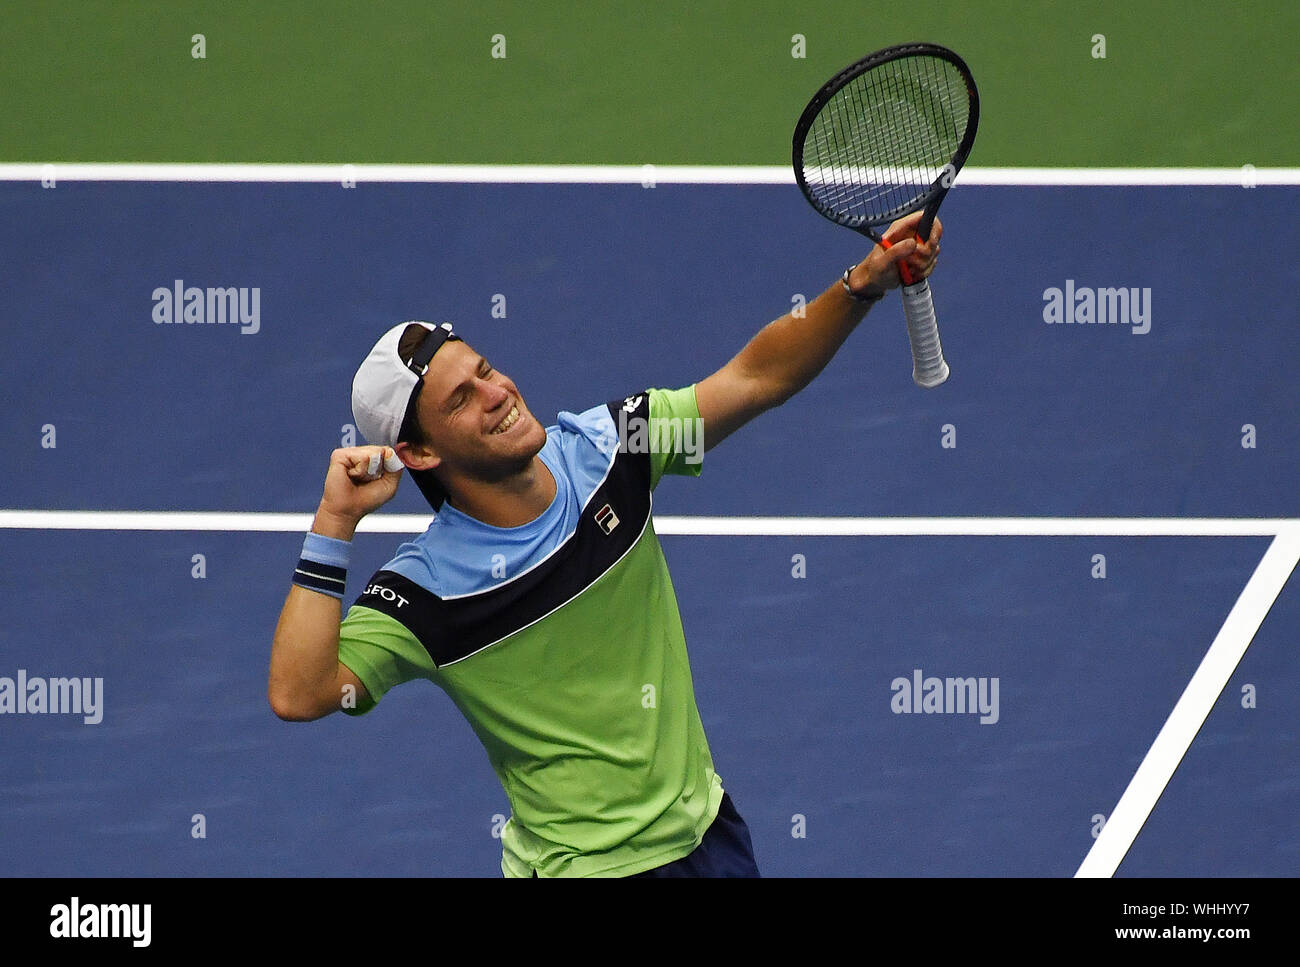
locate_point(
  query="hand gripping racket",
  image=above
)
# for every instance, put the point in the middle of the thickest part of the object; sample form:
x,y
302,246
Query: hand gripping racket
x,y
883,138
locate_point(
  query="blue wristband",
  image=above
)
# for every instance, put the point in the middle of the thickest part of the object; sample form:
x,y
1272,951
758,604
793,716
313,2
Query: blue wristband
x,y
323,566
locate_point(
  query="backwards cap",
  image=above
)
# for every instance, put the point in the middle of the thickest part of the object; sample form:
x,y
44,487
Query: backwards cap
x,y
385,388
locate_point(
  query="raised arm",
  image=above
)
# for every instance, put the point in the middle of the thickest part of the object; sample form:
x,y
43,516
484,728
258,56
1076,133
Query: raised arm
x,y
307,681
787,354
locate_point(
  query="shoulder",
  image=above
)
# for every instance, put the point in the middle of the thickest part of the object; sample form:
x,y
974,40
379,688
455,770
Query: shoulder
x,y
595,426
415,561
586,443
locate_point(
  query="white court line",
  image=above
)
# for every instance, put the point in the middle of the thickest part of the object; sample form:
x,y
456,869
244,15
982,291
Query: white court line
x,y
974,526
133,520
1161,760
614,174
1189,714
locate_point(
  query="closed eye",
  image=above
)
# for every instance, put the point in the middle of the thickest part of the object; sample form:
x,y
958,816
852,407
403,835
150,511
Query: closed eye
x,y
461,394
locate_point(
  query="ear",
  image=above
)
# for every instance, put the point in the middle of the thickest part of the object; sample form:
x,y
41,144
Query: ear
x,y
417,458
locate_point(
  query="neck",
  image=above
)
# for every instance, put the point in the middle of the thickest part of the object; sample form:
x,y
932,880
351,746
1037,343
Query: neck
x,y
511,502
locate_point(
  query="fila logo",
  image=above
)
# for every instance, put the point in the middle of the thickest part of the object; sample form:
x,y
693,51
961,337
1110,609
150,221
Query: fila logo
x,y
607,519
631,403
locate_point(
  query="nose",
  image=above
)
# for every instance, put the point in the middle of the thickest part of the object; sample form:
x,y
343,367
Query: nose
x,y
493,395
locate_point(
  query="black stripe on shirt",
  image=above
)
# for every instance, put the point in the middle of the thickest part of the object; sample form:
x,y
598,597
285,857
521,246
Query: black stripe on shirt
x,y
453,629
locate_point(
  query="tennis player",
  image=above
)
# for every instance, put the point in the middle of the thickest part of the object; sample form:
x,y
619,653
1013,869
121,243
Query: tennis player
x,y
539,598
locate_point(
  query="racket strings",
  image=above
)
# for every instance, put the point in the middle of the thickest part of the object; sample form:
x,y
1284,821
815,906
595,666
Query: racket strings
x,y
885,140
881,142
886,120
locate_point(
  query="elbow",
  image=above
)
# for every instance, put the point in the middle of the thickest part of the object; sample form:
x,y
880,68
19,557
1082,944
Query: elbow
x,y
288,707
772,393
763,391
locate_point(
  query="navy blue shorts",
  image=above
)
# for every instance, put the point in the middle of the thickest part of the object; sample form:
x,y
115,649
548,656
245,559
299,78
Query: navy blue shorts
x,y
726,850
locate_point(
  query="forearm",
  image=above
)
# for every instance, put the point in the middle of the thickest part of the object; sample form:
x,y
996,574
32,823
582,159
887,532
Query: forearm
x,y
303,678
786,355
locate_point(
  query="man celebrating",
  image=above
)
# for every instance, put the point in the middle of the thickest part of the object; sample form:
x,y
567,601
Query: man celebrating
x,y
539,598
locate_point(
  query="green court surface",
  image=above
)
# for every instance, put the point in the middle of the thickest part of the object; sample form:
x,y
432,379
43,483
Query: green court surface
x,y
676,82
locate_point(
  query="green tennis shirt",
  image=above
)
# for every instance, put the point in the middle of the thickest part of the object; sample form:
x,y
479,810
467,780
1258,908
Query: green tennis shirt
x,y
561,644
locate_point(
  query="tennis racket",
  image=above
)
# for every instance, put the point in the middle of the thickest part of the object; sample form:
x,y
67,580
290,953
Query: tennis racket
x,y
883,138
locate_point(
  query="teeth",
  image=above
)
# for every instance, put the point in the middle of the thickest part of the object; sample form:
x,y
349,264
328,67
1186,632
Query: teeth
x,y
509,421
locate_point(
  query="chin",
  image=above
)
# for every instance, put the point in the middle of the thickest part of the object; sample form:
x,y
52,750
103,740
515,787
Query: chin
x,y
524,449
536,432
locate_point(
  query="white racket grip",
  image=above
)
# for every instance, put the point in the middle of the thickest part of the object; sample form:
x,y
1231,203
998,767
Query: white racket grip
x,y
929,368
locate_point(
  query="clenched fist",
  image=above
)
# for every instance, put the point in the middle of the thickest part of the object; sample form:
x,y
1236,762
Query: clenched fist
x,y
359,480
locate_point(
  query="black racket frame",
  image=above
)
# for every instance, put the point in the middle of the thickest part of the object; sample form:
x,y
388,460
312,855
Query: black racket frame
x,y
929,200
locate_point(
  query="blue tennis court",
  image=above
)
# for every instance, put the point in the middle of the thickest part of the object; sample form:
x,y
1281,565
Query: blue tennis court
x,y
797,640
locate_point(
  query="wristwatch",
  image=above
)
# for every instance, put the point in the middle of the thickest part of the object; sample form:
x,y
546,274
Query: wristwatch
x,y
872,293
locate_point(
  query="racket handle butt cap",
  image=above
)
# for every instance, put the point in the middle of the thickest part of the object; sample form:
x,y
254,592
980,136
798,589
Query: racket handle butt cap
x,y
930,380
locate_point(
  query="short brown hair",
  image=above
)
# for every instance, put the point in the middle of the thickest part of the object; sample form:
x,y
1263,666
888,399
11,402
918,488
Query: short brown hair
x,y
411,431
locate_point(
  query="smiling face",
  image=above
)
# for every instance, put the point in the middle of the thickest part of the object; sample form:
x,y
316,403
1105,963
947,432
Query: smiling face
x,y
477,425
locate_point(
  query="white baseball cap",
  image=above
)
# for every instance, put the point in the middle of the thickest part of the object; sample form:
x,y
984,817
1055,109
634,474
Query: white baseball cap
x,y
384,386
